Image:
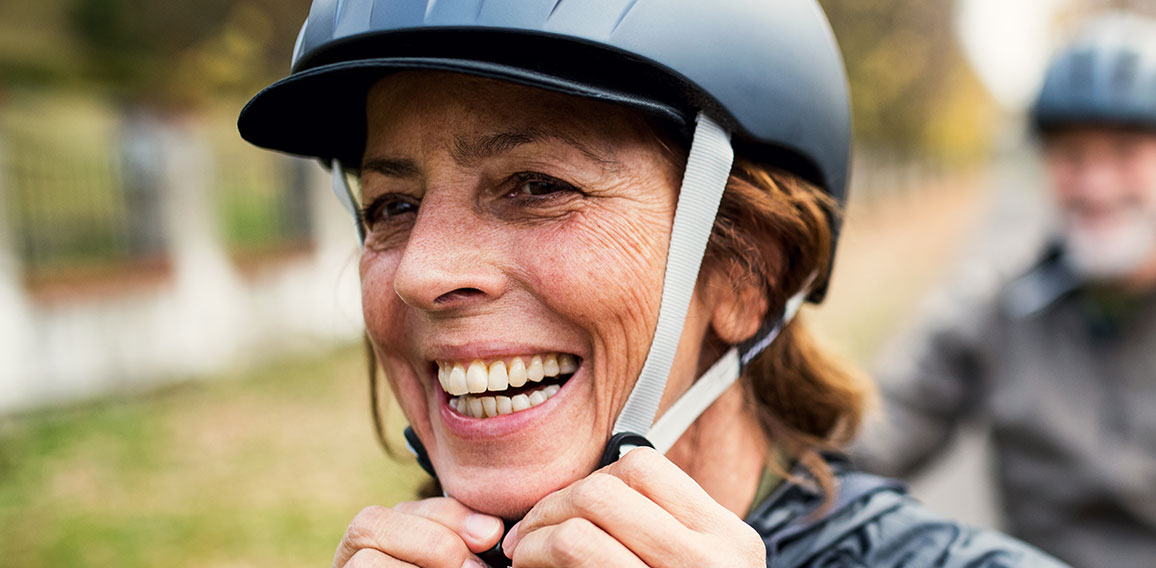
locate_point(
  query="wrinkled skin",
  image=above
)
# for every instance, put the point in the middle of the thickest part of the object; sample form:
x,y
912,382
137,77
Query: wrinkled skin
x,y
1104,182
504,220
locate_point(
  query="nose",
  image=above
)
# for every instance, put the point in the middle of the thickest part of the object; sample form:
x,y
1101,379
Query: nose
x,y
1092,188
451,261
1094,178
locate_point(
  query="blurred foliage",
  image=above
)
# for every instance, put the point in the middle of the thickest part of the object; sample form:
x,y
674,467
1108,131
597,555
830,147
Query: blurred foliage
x,y
162,53
912,90
913,93
185,51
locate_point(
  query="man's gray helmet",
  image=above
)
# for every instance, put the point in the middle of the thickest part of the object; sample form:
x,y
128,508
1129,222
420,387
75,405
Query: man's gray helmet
x,y
764,78
1107,76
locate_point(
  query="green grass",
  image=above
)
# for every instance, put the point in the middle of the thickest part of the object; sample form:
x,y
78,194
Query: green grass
x,y
261,468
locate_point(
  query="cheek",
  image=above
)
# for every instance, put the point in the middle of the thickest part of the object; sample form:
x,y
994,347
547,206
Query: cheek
x,y
385,315
604,272
380,305
1062,180
1143,182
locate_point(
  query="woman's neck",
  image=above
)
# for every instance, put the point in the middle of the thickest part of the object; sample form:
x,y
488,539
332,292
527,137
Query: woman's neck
x,y
724,451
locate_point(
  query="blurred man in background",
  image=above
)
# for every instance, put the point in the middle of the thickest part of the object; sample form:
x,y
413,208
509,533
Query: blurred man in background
x,y
1061,359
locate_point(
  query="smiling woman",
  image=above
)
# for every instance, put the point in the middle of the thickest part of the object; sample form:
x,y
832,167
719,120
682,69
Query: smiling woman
x,y
575,222
510,253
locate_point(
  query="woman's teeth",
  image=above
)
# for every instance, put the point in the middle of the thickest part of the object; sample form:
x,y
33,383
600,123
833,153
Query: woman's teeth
x,y
490,406
465,382
458,379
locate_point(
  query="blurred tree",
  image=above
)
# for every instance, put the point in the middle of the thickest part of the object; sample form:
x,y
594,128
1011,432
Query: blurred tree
x,y
148,50
183,52
912,90
34,47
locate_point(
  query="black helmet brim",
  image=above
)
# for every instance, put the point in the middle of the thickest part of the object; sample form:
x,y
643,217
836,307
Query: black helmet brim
x,y
327,103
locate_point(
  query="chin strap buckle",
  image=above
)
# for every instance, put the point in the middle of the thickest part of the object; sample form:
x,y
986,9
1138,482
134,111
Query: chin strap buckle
x,y
494,557
415,447
621,443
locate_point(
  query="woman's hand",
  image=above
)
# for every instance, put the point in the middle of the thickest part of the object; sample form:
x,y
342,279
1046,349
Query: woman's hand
x,y
639,511
434,533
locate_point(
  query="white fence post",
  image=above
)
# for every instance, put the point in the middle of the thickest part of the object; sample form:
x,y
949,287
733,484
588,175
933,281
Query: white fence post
x,y
206,293
205,317
15,372
337,257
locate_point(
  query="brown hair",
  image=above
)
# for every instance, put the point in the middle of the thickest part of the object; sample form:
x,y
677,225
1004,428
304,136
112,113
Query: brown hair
x,y
772,231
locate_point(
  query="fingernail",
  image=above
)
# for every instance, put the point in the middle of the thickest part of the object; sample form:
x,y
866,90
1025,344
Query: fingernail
x,y
482,527
511,540
474,562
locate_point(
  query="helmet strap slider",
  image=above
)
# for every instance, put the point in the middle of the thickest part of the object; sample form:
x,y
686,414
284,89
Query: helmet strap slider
x,y
344,192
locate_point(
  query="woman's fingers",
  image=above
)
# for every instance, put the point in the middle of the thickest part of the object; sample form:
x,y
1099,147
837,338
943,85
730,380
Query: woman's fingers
x,y
400,536
721,537
430,533
369,558
658,479
480,532
606,502
573,543
649,509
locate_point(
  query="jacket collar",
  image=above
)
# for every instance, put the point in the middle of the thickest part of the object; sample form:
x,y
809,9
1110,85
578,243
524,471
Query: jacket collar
x,y
1044,284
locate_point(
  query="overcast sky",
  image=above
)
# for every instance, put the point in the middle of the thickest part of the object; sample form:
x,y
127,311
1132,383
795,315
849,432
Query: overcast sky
x,y
1008,43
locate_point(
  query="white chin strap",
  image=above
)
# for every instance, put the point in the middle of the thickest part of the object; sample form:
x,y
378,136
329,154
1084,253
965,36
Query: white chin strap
x,y
708,168
675,421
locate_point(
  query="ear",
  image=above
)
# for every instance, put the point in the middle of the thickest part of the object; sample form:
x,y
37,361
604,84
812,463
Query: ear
x,y
737,309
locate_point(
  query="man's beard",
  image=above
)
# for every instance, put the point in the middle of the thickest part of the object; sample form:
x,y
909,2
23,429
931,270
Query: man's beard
x,y
1113,253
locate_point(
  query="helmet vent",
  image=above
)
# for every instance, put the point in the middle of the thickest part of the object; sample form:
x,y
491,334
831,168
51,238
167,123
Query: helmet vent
x,y
1124,72
553,9
1081,71
629,6
352,17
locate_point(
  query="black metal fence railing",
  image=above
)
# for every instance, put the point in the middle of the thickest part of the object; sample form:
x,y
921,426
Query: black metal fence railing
x,y
64,208
263,202
74,208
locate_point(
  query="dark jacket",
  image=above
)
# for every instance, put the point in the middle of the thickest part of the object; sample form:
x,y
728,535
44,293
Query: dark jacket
x,y
1065,375
873,523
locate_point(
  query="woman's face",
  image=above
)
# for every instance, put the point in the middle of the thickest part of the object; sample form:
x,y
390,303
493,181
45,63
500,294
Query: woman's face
x,y
511,275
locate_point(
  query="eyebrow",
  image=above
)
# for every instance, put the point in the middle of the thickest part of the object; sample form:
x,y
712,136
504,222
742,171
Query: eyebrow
x,y
466,151
392,167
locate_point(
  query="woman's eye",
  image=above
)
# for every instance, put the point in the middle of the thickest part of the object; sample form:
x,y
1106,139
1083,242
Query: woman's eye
x,y
537,185
388,208
396,208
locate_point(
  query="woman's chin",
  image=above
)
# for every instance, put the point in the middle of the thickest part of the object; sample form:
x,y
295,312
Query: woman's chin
x,y
505,492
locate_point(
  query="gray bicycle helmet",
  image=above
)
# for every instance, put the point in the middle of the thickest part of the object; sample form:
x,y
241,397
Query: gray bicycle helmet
x,y
768,71
1106,76
764,79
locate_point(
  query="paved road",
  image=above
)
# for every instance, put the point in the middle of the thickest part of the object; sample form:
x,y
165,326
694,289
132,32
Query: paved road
x,y
1014,222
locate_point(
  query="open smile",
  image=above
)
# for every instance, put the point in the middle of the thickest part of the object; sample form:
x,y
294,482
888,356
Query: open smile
x,y
486,389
